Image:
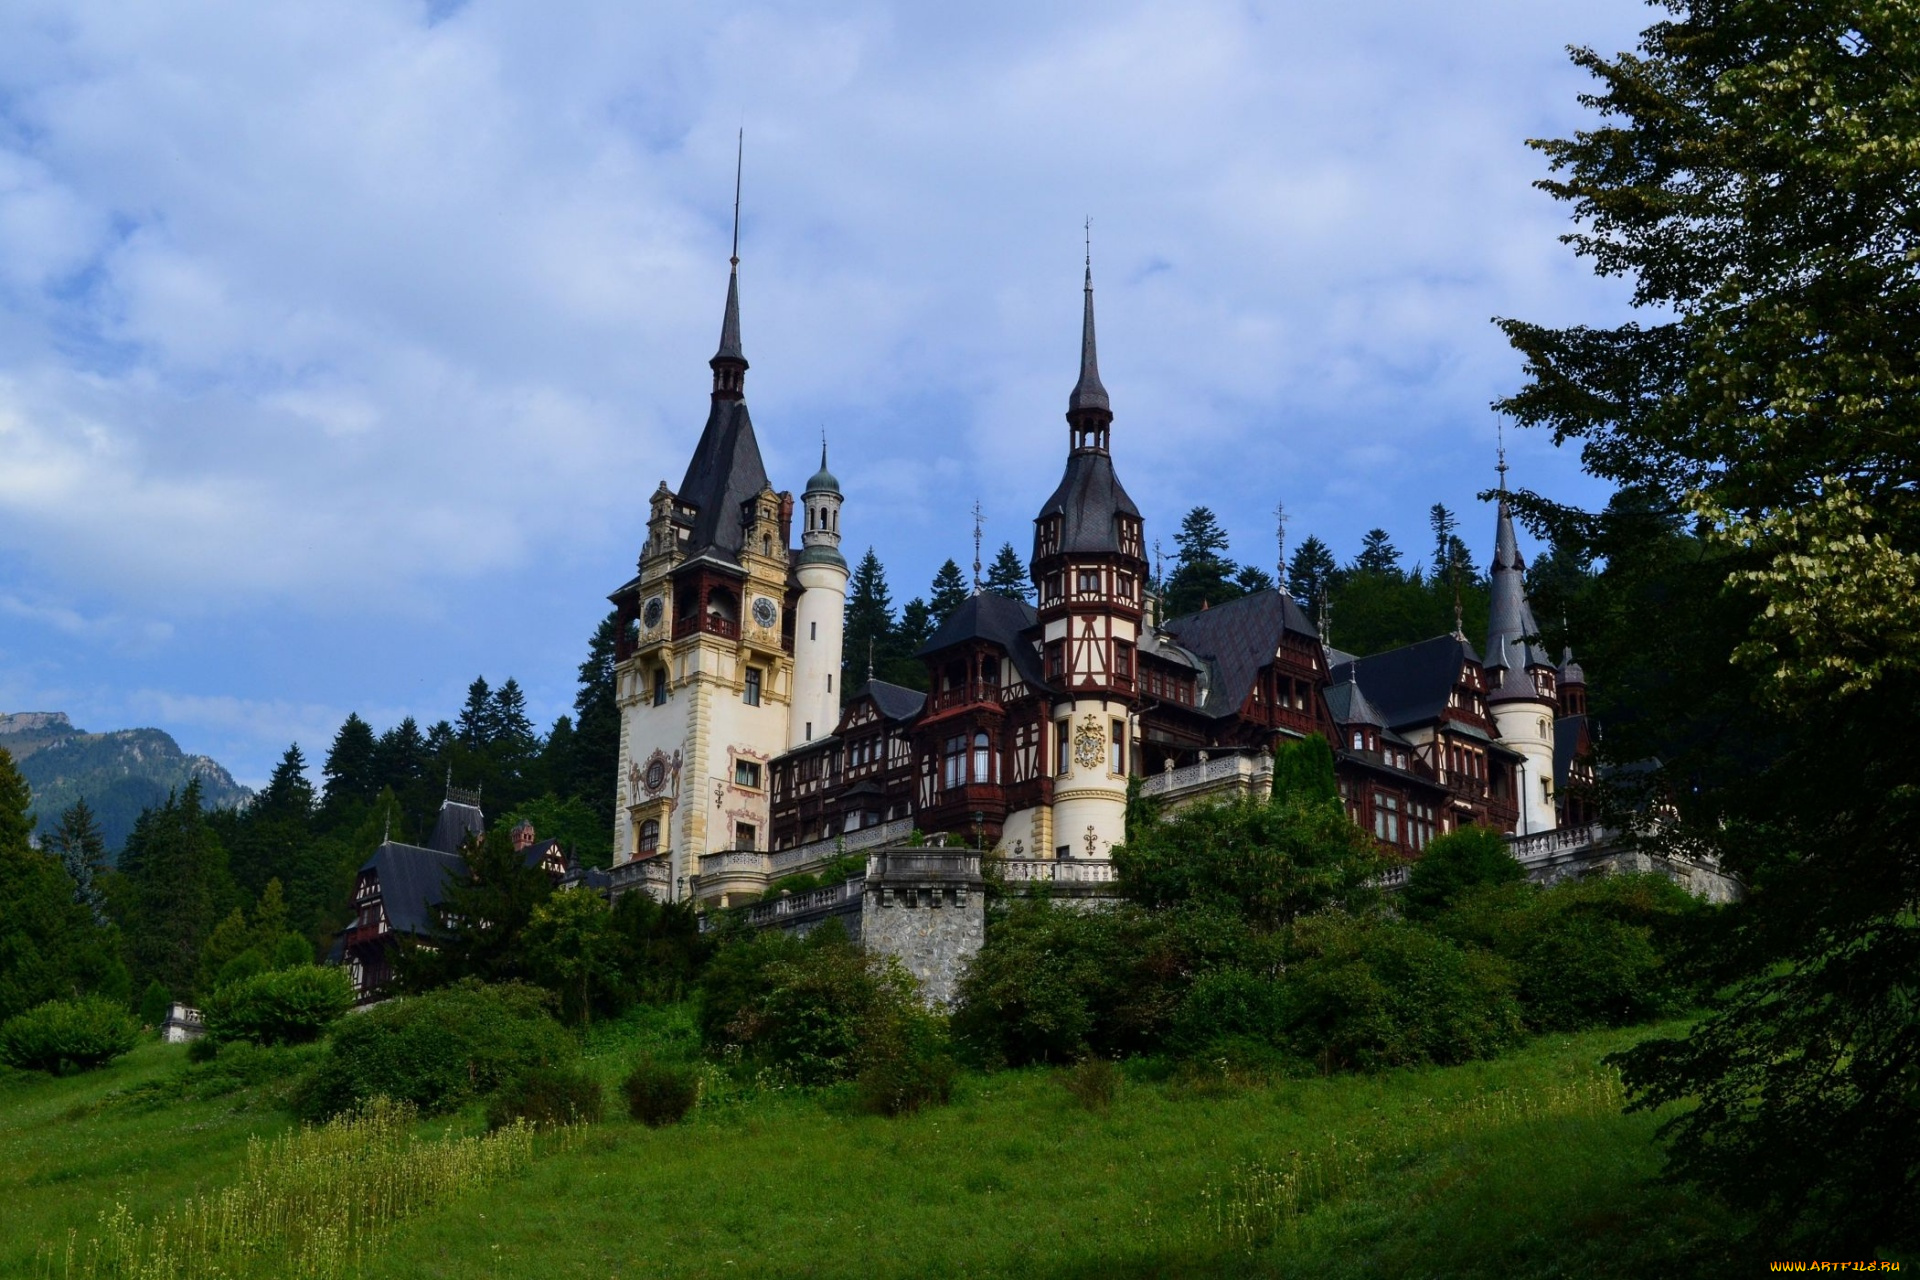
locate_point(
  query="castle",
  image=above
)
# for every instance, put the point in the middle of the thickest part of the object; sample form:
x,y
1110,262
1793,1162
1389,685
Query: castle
x,y
742,762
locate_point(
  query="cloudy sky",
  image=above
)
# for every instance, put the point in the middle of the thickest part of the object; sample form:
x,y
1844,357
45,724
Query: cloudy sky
x,y
342,343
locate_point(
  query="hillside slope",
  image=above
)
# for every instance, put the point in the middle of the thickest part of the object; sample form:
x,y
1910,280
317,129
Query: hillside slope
x,y
118,773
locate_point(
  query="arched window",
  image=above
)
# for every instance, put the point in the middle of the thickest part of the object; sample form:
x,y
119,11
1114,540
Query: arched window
x,y
649,838
982,758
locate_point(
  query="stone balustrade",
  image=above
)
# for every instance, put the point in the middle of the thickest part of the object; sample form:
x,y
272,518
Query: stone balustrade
x,y
1547,846
1055,870
805,857
1241,774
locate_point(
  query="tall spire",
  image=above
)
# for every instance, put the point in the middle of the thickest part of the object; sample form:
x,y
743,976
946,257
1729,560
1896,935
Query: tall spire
x,y
1510,616
1088,409
729,363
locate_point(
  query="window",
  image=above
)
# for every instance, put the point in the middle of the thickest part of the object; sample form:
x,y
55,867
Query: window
x,y
955,754
746,774
751,693
813,631
1359,740
649,838
1386,817
1060,747
1087,582
982,758
744,836
1117,747
1056,658
809,731
1063,851
1126,586
1122,660
660,687
829,682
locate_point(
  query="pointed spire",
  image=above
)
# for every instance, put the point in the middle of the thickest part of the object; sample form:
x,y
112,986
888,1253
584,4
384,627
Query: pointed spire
x,y
729,363
1088,393
1510,616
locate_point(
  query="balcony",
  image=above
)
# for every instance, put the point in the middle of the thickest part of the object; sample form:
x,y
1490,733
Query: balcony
x,y
712,624
1240,775
814,854
653,876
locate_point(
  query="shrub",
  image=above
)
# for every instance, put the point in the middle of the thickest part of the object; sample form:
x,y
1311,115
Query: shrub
x,y
1269,861
547,1098
288,1006
68,1035
205,1049
1093,1083
1453,866
153,1004
1600,952
902,1063
1227,1010
1368,995
436,1051
660,1093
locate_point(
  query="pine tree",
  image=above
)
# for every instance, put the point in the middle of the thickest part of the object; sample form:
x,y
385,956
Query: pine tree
x,y
1444,526
1377,553
1252,578
870,623
51,948
482,919
594,757
916,628
288,793
477,723
441,738
400,757
949,593
511,724
180,888
82,850
1310,574
349,769
1007,575
1203,575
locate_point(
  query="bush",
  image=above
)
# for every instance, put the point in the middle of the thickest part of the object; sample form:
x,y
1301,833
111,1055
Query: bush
x,y
288,1006
438,1050
1368,995
68,1035
902,1063
547,1098
660,1093
1600,952
1225,1012
1093,1083
1455,865
154,1003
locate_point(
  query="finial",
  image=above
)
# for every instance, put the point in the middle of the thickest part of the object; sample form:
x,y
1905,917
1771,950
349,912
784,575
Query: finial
x,y
978,515
869,659
1280,542
823,448
1088,228
739,154
1502,467
386,833
1459,630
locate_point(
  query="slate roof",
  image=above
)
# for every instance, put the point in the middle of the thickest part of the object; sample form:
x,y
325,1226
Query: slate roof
x,y
456,822
730,321
1568,733
1410,685
1237,639
724,472
1088,392
895,702
412,883
1510,616
999,619
1348,705
1088,499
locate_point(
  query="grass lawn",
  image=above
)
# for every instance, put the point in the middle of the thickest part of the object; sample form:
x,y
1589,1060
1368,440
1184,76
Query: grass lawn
x,y
1452,1173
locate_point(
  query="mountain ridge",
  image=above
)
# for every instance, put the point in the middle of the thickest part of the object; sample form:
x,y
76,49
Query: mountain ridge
x,y
119,773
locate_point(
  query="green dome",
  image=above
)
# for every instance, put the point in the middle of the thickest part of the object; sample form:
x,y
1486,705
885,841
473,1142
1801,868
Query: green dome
x,y
823,481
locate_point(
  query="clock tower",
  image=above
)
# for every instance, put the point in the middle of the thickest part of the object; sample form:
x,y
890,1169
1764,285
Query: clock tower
x,y
1089,564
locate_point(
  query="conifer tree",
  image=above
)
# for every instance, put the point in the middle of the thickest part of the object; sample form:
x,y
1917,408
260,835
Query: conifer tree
x,y
349,768
1203,575
82,850
288,793
1007,575
1252,578
595,753
478,723
949,593
401,755
1377,553
870,623
1310,574
180,887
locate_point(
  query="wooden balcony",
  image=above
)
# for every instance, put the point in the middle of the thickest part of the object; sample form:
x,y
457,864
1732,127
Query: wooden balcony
x,y
711,623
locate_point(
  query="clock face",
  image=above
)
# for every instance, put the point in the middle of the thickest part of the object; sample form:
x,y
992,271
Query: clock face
x,y
765,612
651,614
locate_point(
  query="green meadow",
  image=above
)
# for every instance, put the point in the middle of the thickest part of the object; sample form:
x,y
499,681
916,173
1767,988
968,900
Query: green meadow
x,y
1521,1166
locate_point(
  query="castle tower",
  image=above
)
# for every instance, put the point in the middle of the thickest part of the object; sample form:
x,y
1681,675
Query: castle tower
x,y
1523,701
820,615
1089,564
704,661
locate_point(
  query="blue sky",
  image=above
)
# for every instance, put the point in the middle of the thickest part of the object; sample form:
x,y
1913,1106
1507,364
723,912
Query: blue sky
x,y
341,344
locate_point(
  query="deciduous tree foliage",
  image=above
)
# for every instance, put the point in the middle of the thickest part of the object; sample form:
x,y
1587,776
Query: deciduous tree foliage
x,y
1752,171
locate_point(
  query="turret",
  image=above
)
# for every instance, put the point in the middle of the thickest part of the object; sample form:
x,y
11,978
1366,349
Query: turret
x,y
1522,702
1090,566
820,616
